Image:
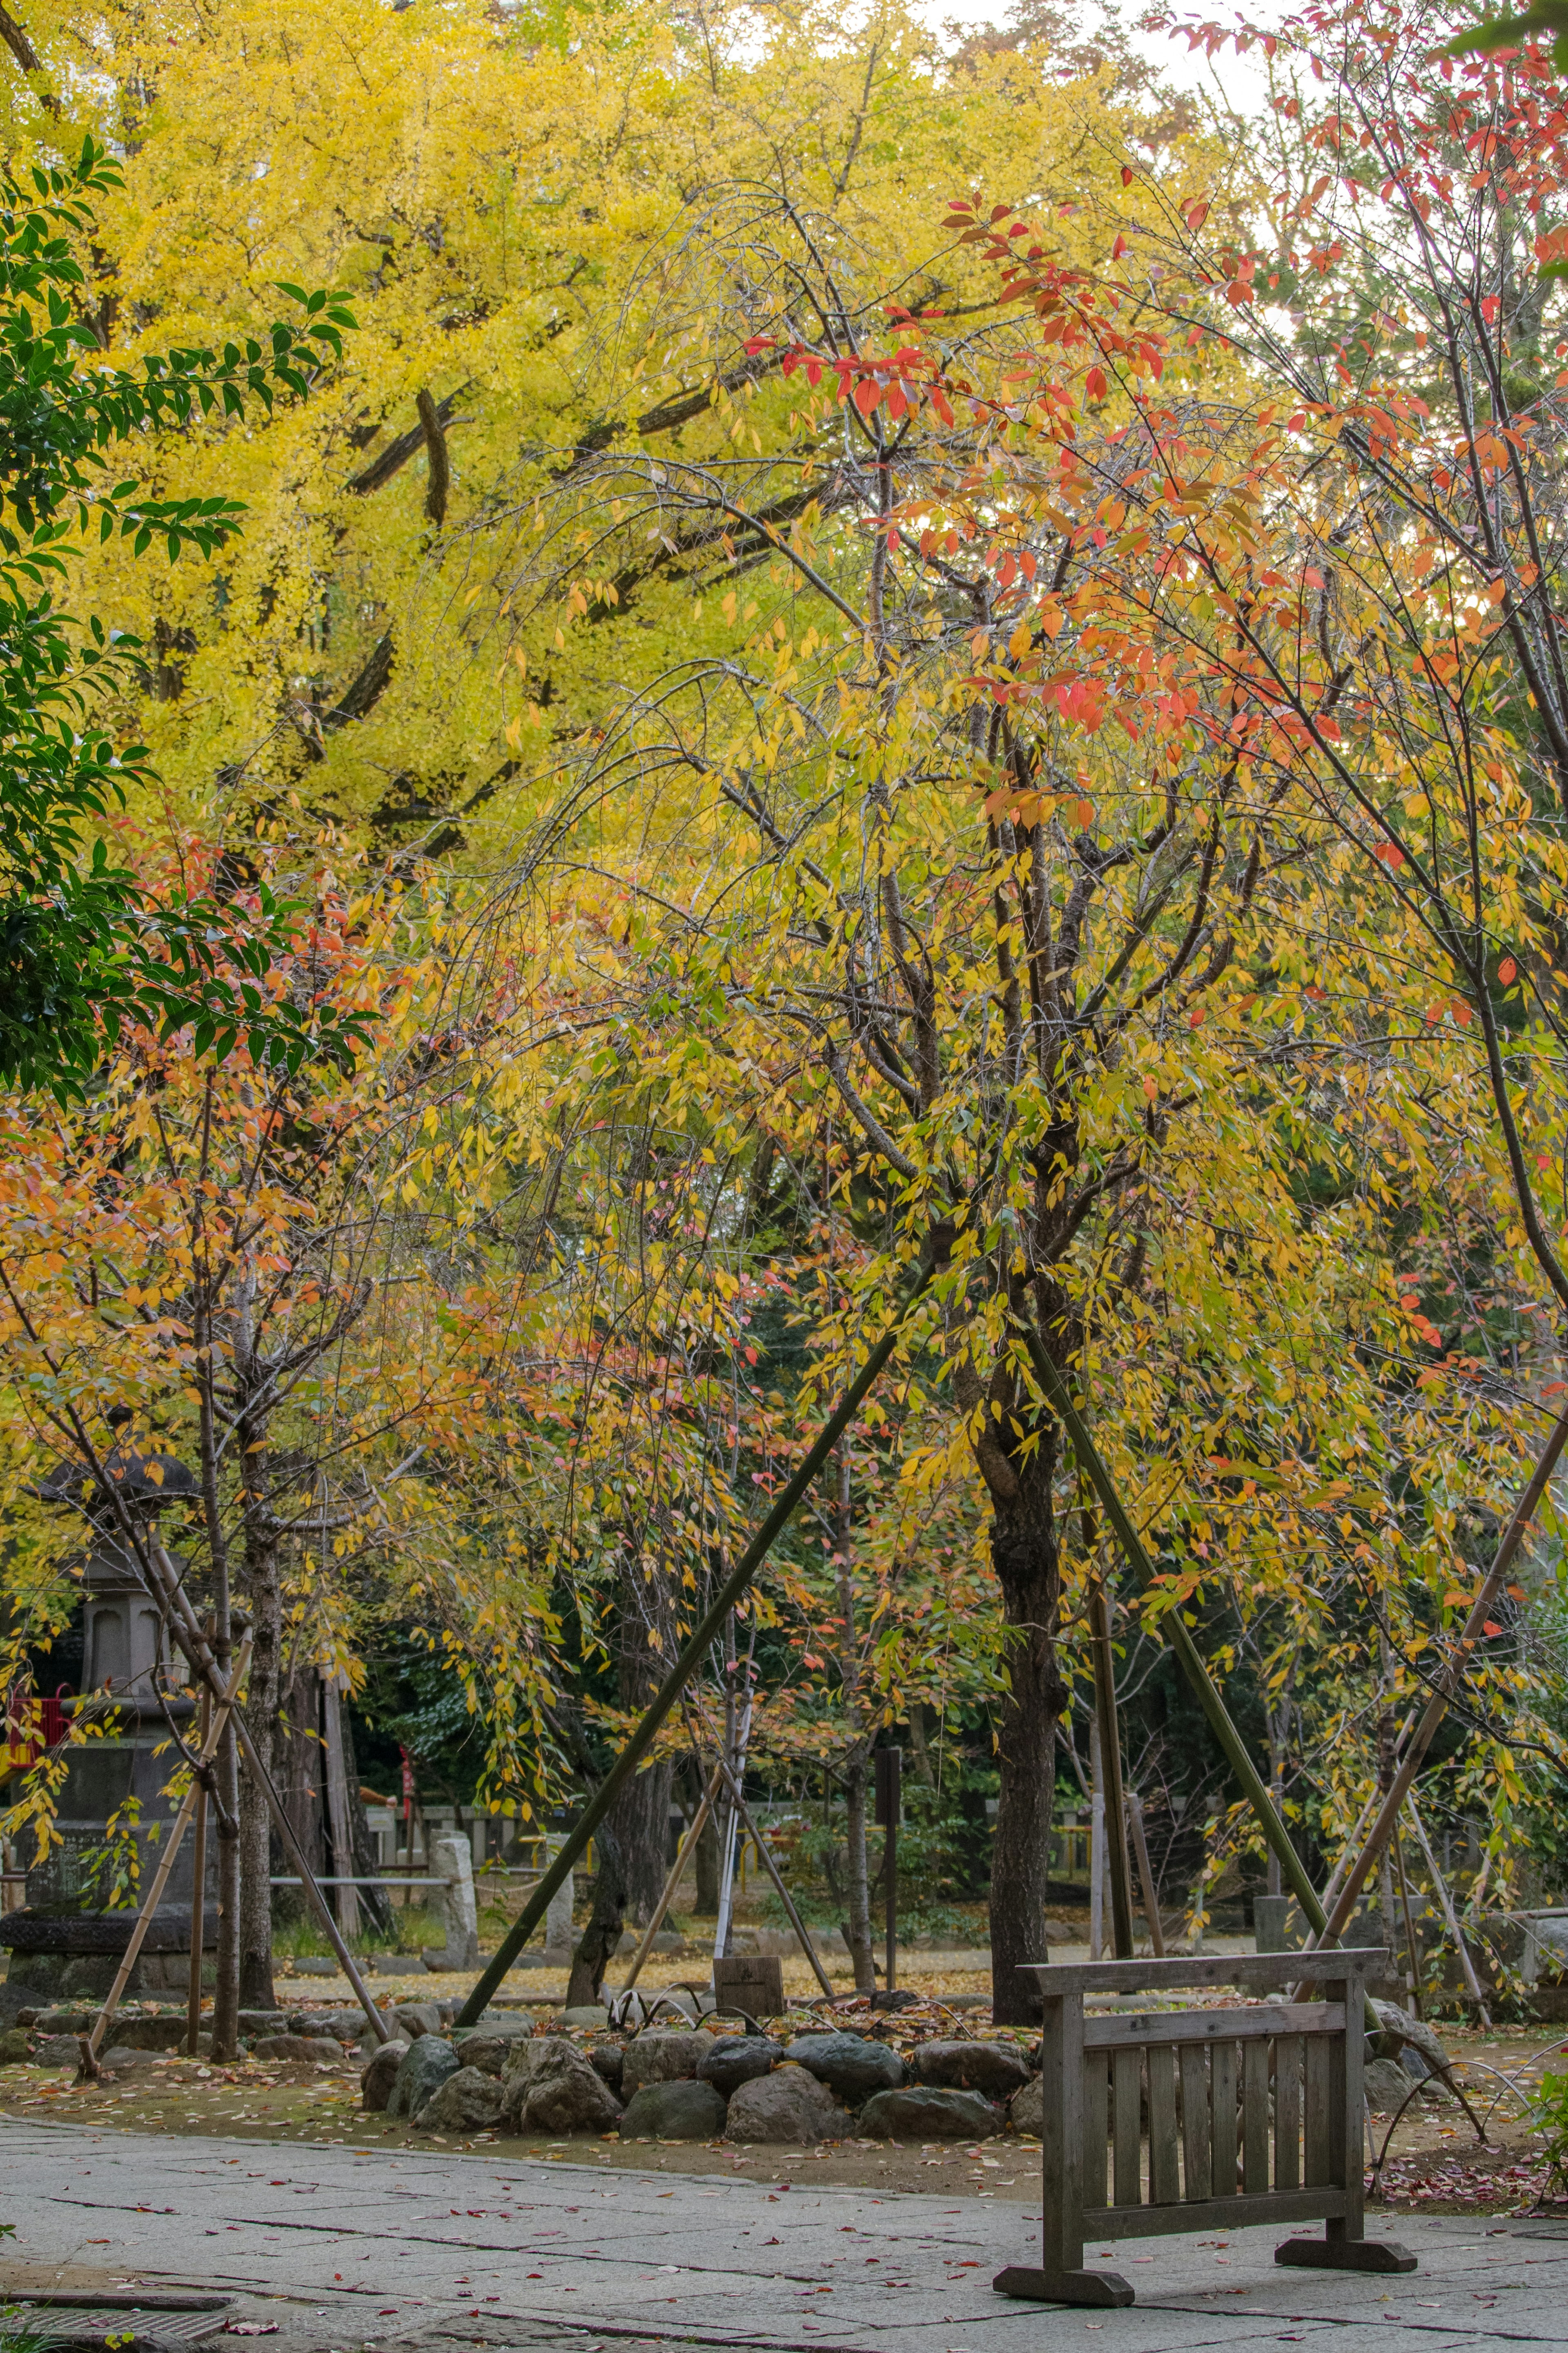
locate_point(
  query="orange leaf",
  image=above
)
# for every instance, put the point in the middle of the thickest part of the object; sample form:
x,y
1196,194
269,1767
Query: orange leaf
x,y
1491,1627
1198,214
1506,970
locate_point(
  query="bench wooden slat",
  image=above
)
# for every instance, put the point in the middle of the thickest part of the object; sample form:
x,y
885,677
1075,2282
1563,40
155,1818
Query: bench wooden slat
x,y
1197,2168
1287,2112
1096,2094
1164,2172
1217,1969
1255,2119
1127,2077
1318,2134
1190,2026
1218,2213
1221,2126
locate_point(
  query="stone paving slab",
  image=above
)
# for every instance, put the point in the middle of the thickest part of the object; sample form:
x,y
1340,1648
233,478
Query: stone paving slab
x,y
346,2249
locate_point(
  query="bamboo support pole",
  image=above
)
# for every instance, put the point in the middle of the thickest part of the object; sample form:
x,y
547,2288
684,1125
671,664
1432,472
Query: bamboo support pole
x,y
1111,1770
1172,1626
667,1896
771,1867
1445,1899
193,1641
1150,1901
1447,1680
92,2041
699,1639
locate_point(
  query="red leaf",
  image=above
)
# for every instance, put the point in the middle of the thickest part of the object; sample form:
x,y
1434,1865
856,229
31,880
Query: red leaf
x,y
1094,384
1389,854
1198,214
1127,175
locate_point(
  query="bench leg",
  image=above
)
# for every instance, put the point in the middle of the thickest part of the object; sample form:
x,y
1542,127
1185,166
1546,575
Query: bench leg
x,y
1063,2288
1345,2254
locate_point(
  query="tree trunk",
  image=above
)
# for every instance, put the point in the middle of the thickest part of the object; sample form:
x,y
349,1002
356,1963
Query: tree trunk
x,y
857,1931
707,1855
1026,1555
265,1599
375,1903
639,1819
920,1746
298,1772
605,1922
226,1983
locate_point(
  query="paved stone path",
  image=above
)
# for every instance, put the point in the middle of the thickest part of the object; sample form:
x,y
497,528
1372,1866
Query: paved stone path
x,y
348,2250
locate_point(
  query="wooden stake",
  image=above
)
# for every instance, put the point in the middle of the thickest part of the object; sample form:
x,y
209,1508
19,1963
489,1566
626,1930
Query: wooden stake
x,y
1151,1903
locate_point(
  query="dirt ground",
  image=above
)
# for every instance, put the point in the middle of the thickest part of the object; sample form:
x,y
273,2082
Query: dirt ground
x,y
1434,2163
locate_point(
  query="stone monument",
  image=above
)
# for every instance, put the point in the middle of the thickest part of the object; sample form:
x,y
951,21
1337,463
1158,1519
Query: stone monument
x,y
80,1900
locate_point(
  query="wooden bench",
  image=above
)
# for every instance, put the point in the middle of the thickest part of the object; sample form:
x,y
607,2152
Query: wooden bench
x,y
1255,2114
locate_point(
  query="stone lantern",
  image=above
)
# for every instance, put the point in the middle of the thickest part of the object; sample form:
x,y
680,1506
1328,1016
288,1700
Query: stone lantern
x,y
67,1938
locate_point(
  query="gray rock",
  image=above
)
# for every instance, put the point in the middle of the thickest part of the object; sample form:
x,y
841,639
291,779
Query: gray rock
x,y
488,2052
55,2050
554,2090
852,2065
1388,2086
732,2060
425,2067
786,2104
587,2013
995,2070
510,2025
276,2047
1027,2111
674,2108
124,2059
608,2060
253,2022
378,2077
17,2001
16,2047
69,2021
658,2057
417,2018
925,2112
151,2033
1406,2038
342,2025
314,1965
469,2101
